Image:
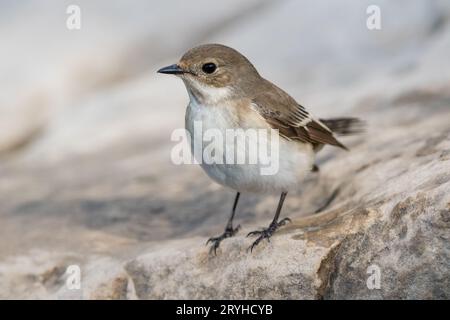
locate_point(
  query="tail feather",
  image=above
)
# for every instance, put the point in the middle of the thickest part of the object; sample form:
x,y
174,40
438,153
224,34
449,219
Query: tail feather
x,y
344,126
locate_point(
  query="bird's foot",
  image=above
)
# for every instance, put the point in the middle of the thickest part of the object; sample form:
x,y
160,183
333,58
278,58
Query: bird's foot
x,y
215,241
266,233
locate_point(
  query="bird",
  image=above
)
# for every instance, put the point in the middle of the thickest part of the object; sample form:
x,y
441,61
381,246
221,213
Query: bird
x,y
226,92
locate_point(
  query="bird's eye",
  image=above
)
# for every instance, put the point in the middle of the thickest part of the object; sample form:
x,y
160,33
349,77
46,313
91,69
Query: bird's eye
x,y
209,67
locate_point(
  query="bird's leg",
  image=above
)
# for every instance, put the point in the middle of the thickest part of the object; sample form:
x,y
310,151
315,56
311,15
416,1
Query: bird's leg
x,y
229,230
274,225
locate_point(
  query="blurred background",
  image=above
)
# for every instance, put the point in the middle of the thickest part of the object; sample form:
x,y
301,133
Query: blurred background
x,y
85,120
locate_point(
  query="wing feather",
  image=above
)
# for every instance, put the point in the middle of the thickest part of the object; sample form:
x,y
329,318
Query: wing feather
x,y
292,120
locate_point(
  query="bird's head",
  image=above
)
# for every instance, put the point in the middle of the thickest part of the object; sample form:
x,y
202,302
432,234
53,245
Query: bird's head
x,y
213,72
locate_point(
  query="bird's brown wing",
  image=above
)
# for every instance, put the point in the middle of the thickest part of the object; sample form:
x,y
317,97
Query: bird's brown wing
x,y
292,120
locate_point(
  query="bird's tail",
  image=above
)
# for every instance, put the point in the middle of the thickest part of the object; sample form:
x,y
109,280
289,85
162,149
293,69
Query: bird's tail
x,y
345,126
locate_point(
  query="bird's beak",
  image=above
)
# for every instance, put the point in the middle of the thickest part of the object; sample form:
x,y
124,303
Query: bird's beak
x,y
172,69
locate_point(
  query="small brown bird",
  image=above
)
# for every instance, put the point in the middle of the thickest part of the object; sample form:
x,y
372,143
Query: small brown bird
x,y
227,93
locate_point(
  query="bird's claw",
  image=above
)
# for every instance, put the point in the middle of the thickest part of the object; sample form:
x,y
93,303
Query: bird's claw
x,y
266,233
215,241
284,221
253,233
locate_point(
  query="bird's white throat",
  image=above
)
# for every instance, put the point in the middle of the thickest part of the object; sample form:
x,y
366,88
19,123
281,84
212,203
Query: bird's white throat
x,y
205,94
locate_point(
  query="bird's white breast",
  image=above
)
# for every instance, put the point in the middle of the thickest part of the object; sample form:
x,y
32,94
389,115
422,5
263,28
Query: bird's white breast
x,y
294,159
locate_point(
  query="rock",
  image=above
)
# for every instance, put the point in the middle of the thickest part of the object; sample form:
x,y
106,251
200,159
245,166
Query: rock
x,y
322,257
86,178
